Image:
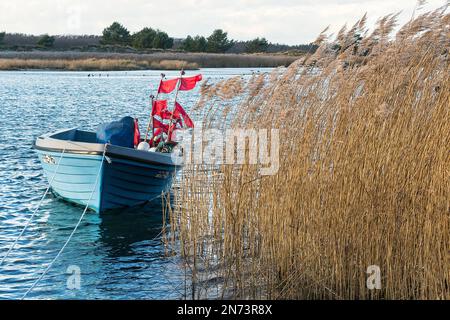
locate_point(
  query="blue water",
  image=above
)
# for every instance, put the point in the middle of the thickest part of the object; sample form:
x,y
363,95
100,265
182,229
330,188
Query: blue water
x,y
120,255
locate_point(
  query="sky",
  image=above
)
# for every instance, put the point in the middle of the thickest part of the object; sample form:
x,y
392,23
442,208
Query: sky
x,y
280,21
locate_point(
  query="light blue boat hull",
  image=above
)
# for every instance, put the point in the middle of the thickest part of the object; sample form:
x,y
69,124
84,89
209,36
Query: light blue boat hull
x,y
122,181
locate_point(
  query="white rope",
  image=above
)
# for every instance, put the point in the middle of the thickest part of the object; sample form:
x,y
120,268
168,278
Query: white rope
x,y
73,231
34,212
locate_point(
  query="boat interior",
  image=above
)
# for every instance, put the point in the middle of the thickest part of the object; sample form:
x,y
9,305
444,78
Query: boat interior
x,y
76,135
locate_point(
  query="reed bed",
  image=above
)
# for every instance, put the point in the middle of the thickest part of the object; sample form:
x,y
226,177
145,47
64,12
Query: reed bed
x,y
93,64
202,60
364,174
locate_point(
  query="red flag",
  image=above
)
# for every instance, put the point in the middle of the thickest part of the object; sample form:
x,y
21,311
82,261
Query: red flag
x,y
179,111
137,134
167,86
174,127
159,124
168,115
170,133
159,106
166,128
157,132
190,82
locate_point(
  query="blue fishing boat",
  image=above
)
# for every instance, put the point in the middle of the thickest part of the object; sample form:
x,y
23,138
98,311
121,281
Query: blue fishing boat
x,y
112,167
103,176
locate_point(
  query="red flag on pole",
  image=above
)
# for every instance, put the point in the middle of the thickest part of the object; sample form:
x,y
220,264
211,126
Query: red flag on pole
x,y
179,111
166,128
172,128
159,124
137,134
190,82
159,106
168,115
167,86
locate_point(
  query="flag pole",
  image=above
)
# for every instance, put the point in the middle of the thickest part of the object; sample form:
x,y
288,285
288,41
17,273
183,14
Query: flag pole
x,y
150,118
152,99
175,101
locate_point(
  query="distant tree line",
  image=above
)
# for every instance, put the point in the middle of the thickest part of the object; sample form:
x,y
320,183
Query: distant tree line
x,y
246,46
61,42
17,39
148,38
118,38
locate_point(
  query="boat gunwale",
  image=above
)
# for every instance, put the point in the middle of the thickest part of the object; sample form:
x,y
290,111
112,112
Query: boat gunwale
x,y
98,149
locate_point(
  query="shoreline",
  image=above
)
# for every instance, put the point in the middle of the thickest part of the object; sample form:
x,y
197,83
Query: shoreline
x,y
101,61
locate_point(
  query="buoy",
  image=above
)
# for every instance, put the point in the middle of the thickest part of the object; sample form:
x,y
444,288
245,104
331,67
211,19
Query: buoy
x,y
143,146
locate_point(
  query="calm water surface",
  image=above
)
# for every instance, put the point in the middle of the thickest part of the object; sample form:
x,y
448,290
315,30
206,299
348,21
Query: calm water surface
x,y
120,254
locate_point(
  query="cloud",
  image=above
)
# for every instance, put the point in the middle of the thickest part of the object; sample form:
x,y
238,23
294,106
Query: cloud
x,y
283,21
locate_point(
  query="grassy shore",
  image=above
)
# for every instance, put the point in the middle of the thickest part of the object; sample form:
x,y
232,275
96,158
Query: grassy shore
x,y
364,174
67,60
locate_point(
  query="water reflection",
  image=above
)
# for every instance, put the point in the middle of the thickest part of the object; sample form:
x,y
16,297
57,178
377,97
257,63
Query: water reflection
x,y
120,230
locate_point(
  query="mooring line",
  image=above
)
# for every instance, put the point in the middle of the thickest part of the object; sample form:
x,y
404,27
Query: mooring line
x,y
35,210
73,231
